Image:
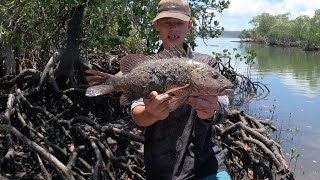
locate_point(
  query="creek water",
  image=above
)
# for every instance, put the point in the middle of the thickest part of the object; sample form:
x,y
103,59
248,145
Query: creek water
x,y
293,104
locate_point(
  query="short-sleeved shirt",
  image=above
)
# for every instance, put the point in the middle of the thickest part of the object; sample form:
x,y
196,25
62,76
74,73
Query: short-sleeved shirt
x,y
182,146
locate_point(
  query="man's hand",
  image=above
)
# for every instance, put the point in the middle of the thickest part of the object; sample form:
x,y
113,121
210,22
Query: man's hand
x,y
205,106
157,105
155,108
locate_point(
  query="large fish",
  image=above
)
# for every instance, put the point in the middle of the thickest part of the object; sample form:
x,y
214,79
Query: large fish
x,y
180,77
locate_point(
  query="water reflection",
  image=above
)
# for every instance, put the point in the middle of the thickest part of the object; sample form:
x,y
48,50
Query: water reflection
x,y
298,70
300,86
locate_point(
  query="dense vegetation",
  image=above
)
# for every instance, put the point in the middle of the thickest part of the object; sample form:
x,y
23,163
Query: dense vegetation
x,y
35,25
304,31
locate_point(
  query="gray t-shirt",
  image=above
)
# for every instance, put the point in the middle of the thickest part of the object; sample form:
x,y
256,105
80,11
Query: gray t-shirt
x,y
182,146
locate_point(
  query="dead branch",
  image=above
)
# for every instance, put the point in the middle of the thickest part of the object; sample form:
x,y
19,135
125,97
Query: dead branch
x,y
49,67
44,171
28,76
250,148
74,156
44,153
97,172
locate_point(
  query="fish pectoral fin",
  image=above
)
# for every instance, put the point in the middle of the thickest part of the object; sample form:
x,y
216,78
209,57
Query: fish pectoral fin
x,y
176,101
176,89
127,98
99,90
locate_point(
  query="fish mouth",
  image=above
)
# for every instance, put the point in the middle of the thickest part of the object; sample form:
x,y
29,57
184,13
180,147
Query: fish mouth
x,y
225,90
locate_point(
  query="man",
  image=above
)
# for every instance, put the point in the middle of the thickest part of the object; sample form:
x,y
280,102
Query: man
x,y
180,144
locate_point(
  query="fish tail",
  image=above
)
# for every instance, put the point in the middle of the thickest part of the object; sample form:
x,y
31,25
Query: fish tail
x,y
96,77
100,83
99,90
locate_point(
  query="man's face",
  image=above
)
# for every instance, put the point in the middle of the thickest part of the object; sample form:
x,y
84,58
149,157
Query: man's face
x,y
172,31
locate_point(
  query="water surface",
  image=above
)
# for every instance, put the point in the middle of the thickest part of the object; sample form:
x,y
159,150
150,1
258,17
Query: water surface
x,y
293,77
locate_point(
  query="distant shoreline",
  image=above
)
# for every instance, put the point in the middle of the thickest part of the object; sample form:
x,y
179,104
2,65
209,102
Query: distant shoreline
x,y
241,41
296,45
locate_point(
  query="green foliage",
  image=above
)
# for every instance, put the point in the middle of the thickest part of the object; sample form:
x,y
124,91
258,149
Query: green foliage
x,y
263,23
245,34
279,30
204,12
300,26
280,34
228,56
120,18
33,26
294,155
42,24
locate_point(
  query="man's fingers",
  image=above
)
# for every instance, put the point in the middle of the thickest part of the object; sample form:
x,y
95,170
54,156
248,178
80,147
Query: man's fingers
x,y
163,97
163,108
158,97
153,95
157,102
163,102
157,105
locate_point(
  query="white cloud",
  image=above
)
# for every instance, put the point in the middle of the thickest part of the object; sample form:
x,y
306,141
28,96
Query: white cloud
x,y
246,7
240,12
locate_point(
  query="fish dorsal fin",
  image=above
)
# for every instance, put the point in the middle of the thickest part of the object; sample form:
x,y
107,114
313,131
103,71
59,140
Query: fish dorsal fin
x,y
130,61
171,52
203,58
178,52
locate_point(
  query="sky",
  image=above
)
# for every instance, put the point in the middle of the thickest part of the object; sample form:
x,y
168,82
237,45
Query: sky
x,y
240,12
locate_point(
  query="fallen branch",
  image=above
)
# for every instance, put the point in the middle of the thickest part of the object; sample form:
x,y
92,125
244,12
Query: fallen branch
x,y
44,153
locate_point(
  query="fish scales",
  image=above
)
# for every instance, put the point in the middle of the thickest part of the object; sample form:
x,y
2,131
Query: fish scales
x,y
156,76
